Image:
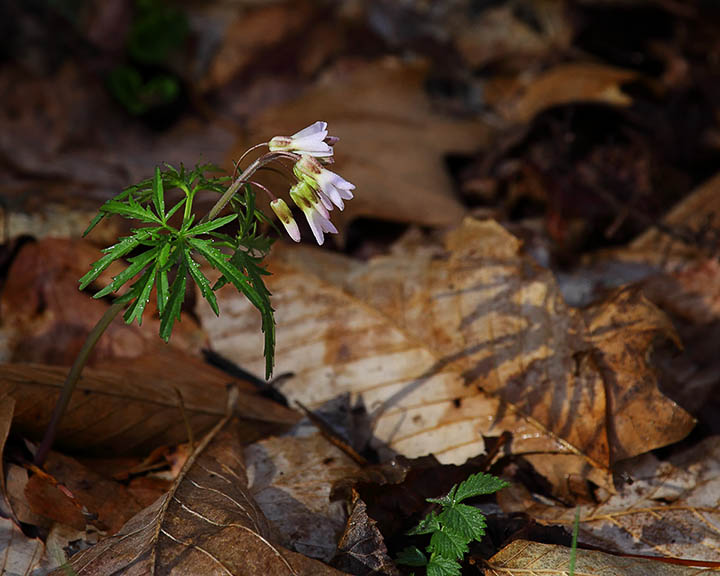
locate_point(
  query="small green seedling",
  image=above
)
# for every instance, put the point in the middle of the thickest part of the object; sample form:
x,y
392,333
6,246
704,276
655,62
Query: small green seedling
x,y
453,528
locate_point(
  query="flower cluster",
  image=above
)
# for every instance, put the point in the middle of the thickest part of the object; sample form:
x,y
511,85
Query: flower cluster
x,y
318,190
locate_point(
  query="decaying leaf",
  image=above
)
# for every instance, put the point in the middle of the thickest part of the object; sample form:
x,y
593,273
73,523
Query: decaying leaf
x,y
669,508
395,140
532,559
7,409
74,495
499,34
21,556
361,549
45,318
206,524
444,345
131,409
291,479
520,100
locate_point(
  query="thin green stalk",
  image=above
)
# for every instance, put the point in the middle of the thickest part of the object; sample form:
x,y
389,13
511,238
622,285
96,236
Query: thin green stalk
x,y
573,545
243,178
72,380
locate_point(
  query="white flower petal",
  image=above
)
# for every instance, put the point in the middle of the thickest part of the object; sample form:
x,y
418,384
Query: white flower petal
x,y
312,129
313,219
310,145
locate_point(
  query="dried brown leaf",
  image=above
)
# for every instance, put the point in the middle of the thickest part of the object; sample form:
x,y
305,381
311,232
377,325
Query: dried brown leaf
x,y
291,479
664,508
207,524
361,549
563,84
499,35
444,346
534,559
132,408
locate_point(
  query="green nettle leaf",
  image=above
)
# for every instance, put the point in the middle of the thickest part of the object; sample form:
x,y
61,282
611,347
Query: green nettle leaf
x,y
429,524
440,566
411,556
454,527
448,544
479,484
465,520
131,209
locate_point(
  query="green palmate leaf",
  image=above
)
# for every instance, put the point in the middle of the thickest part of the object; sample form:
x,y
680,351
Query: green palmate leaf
x,y
411,556
158,195
175,300
163,265
429,524
478,484
112,253
131,209
202,282
464,520
137,264
448,544
175,208
210,226
143,287
439,566
251,286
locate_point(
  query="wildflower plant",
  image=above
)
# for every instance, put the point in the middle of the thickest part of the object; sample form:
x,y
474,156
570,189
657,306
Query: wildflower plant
x,y
172,245
451,529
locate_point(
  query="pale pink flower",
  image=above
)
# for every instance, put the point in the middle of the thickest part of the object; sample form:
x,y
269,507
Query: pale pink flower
x,y
310,140
331,187
315,212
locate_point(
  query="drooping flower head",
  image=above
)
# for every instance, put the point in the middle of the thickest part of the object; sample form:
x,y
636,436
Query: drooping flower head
x,y
315,212
329,186
312,140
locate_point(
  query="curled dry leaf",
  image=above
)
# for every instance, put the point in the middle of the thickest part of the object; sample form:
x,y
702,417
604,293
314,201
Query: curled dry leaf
x,y
361,549
132,409
664,508
291,479
445,345
206,524
519,100
533,558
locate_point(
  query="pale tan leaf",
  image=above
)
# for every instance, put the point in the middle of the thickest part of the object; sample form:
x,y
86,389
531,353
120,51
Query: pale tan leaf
x,y
564,84
444,350
391,146
523,558
664,508
499,35
291,479
20,555
131,408
206,524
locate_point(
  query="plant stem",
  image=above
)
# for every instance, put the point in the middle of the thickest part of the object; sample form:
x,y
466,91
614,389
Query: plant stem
x,y
72,380
242,179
